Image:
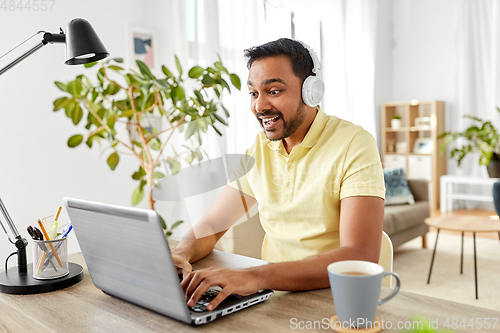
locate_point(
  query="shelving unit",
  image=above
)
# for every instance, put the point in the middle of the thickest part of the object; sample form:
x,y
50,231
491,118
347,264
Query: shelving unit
x,y
414,146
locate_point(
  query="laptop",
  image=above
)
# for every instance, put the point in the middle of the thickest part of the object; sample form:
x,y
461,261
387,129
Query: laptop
x,y
128,257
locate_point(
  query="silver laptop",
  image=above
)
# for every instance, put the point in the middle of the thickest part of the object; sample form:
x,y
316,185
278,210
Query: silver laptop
x,y
128,257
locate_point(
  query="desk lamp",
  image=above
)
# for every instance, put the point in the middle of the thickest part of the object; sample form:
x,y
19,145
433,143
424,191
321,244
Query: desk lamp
x,y
82,46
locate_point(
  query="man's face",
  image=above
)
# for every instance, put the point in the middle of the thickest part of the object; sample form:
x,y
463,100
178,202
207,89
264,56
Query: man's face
x,y
276,97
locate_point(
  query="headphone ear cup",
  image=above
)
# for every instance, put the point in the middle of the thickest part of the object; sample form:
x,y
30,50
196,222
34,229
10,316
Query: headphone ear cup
x,y
313,90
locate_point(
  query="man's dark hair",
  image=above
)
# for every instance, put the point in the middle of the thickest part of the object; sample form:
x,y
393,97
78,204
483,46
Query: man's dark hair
x,y
300,58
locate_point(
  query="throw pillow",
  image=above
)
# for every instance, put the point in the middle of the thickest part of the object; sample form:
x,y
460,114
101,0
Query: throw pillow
x,y
397,191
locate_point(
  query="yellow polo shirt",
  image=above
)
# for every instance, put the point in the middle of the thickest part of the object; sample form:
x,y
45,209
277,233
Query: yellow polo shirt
x,y
299,193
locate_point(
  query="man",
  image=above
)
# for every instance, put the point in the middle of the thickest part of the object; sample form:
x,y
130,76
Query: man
x,y
317,179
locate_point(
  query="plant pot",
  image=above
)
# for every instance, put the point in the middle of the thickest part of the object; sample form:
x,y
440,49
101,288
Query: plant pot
x,y
395,123
493,169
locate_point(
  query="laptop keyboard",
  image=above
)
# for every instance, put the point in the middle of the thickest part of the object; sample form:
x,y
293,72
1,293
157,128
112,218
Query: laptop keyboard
x,y
205,299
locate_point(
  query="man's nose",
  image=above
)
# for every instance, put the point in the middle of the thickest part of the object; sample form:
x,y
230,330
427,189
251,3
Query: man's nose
x,y
262,103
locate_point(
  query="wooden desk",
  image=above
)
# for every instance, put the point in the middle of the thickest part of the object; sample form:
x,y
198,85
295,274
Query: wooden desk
x,y
84,308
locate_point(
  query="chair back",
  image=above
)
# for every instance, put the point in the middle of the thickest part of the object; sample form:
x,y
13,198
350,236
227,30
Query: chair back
x,y
386,258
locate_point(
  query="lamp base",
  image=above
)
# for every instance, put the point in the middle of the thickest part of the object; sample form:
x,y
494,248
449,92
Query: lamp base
x,y
12,282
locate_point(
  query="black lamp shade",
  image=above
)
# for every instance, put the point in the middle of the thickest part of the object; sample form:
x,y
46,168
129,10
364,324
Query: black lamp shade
x,y
82,43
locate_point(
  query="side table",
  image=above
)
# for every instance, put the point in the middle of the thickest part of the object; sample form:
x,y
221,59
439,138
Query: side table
x,y
462,223
447,194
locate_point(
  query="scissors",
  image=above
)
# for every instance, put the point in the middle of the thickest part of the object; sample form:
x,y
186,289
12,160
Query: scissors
x,y
36,234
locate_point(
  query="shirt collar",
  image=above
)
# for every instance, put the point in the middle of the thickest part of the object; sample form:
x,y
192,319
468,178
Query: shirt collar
x,y
312,135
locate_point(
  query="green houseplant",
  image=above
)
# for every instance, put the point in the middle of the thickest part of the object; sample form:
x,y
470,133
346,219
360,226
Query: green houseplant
x,y
396,122
116,106
482,137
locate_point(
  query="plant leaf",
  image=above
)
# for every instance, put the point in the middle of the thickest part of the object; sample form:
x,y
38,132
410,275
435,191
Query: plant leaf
x,y
235,80
192,127
158,175
220,67
77,114
176,224
220,119
207,80
218,132
90,64
118,60
75,88
174,166
162,221
199,96
75,140
127,113
179,67
167,72
145,70
138,195
60,103
225,111
195,72
190,157
113,160
61,86
115,68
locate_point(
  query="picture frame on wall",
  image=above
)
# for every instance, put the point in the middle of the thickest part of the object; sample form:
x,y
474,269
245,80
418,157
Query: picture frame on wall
x,y
141,45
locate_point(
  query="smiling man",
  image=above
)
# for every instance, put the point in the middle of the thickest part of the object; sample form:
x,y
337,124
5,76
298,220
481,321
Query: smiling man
x,y
317,180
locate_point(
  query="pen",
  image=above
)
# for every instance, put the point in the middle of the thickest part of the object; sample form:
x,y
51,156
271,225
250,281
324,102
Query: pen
x,y
53,232
50,244
65,233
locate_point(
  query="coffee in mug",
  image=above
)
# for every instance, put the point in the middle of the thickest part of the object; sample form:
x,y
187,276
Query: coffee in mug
x,y
356,288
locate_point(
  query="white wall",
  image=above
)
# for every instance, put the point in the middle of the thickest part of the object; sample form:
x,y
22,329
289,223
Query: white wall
x,y
37,169
424,53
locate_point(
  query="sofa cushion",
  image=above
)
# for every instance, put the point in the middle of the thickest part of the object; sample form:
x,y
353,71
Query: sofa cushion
x,y
401,217
397,191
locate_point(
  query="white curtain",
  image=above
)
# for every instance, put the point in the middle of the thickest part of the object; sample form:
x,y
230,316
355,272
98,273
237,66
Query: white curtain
x,y
241,25
478,77
349,39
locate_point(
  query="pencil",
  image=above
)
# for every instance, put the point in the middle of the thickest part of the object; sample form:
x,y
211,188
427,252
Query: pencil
x,y
50,244
57,214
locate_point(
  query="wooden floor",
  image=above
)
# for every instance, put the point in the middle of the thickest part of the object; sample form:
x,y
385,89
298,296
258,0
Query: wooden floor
x,y
493,214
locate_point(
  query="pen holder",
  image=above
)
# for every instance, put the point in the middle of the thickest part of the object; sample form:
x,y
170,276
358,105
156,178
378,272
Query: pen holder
x,y
50,259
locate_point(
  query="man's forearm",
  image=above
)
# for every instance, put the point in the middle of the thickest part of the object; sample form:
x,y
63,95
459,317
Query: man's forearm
x,y
193,249
307,274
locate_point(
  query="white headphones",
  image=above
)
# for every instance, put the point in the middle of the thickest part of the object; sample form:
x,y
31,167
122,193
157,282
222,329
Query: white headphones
x,y
313,87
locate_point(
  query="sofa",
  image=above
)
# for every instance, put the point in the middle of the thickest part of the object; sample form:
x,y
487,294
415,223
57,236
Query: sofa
x,y
406,222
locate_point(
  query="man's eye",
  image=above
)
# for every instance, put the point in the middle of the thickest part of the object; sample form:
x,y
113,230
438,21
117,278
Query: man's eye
x,y
252,94
275,92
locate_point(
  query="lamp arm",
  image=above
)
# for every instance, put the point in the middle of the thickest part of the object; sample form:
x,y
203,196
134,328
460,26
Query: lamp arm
x,y
21,243
47,38
9,221
22,57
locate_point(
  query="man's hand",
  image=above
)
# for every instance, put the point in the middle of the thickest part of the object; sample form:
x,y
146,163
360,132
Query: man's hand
x,y
242,282
183,266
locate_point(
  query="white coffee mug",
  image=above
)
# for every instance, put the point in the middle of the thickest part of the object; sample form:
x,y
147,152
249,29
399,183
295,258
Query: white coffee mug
x,y
356,288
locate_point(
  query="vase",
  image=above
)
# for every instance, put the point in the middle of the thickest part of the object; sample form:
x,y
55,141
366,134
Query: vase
x,y
395,123
493,169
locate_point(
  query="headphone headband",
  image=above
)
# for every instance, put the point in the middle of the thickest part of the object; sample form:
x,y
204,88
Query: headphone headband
x,y
316,63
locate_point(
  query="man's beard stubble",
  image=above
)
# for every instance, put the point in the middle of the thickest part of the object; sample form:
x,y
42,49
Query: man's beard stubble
x,y
289,127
